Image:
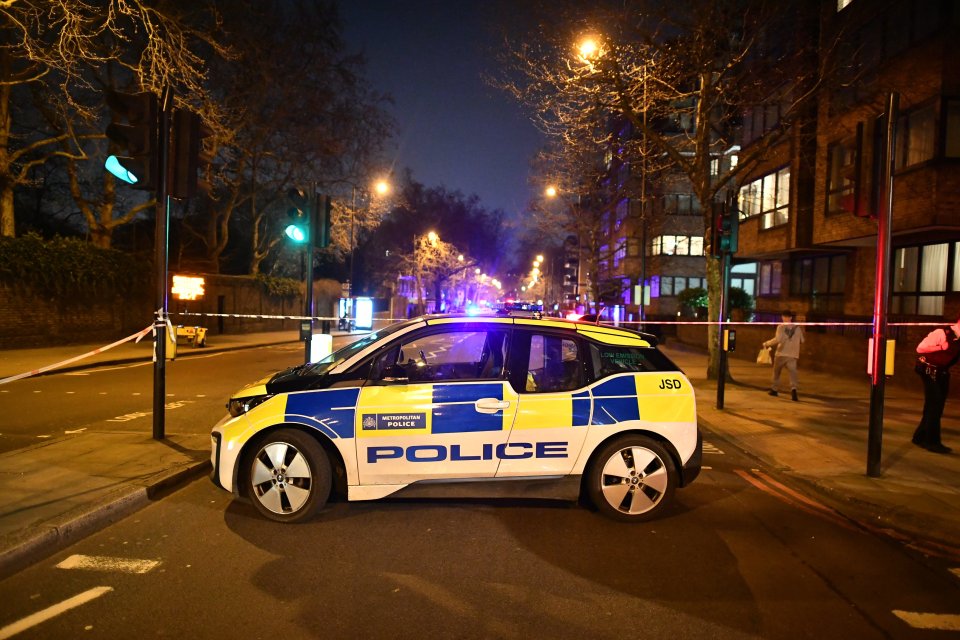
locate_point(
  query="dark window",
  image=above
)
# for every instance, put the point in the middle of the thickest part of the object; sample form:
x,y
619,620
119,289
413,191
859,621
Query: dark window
x,y
610,360
915,142
841,177
952,144
450,355
554,364
823,279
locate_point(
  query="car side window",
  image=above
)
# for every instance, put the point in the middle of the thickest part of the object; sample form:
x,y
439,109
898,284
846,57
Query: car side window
x,y
443,356
610,360
554,364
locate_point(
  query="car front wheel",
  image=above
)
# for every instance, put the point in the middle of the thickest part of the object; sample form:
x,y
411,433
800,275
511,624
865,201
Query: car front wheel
x,y
632,479
289,476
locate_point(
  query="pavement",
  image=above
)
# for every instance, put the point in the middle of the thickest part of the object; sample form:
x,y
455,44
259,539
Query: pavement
x,y
58,491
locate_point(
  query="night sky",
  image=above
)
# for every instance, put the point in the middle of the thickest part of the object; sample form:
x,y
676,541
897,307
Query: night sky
x,y
454,130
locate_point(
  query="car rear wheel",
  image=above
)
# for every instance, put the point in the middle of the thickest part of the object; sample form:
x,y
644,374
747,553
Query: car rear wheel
x,y
632,479
289,476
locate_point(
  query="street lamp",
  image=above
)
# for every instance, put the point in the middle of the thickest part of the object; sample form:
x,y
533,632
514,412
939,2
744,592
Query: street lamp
x,y
382,188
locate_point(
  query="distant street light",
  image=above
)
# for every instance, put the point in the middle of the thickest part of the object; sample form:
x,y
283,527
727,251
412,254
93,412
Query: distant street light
x,y
550,192
382,188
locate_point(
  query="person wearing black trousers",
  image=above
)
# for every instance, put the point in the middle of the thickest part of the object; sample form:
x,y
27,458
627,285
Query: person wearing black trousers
x,y
939,351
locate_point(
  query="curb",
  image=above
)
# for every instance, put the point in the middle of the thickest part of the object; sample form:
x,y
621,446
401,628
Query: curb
x,y
58,534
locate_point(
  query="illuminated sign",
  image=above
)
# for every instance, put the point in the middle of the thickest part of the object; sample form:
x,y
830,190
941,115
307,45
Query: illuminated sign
x,y
187,287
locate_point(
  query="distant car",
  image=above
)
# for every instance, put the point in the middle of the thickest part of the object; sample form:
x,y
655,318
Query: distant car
x,y
467,406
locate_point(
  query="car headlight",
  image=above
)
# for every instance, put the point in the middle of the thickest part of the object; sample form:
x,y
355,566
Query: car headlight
x,y
239,406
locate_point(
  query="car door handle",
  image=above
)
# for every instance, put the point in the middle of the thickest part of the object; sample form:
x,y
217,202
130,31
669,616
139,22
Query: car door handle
x,y
491,405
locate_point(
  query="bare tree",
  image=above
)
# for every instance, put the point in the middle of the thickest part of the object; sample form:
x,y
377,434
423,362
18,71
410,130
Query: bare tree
x,y
55,45
680,73
315,125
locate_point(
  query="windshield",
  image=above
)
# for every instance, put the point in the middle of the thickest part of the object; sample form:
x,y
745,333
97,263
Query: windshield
x,y
325,364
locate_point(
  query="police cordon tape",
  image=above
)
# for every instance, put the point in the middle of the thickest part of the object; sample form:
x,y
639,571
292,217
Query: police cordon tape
x,y
725,323
140,334
135,337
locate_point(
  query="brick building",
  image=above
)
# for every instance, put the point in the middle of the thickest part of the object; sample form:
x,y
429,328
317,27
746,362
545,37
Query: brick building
x,y
808,211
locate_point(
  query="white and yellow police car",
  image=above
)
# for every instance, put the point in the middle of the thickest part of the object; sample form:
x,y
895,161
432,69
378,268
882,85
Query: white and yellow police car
x,y
467,406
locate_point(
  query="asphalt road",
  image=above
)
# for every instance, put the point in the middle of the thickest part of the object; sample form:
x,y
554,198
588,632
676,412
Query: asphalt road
x,y
732,560
740,556
120,397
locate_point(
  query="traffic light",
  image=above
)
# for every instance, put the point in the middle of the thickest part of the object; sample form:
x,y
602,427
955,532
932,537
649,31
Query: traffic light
x,y
322,224
134,131
299,228
725,229
189,157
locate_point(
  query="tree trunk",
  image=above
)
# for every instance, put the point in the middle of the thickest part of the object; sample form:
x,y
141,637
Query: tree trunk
x,y
7,227
6,211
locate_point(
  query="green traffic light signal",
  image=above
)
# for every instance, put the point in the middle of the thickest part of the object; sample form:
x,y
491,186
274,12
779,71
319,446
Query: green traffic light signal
x,y
298,229
133,130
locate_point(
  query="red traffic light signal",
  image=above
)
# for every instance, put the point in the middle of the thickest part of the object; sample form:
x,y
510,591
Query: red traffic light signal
x,y
134,133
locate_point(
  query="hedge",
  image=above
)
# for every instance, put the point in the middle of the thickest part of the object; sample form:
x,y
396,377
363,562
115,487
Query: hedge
x,y
71,266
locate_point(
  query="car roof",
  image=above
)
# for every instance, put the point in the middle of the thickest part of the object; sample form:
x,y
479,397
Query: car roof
x,y
606,334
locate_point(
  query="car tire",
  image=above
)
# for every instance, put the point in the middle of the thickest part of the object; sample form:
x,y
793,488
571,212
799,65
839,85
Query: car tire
x,y
288,477
631,479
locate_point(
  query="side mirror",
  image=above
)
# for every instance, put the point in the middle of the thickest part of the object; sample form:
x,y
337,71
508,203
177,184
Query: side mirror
x,y
395,373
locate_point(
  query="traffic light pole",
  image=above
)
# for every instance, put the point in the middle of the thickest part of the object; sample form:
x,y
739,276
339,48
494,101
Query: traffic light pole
x,y
308,258
161,257
882,293
724,303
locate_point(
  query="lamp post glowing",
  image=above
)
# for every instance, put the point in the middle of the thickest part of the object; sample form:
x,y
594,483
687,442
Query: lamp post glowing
x,y
588,48
381,188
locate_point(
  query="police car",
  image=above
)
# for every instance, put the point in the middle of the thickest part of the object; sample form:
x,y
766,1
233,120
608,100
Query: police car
x,y
467,407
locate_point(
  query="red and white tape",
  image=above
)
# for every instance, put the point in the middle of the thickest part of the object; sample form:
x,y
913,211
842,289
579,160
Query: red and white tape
x,y
136,337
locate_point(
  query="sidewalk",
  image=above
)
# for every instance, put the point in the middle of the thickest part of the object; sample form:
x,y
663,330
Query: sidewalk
x,y
820,443
58,491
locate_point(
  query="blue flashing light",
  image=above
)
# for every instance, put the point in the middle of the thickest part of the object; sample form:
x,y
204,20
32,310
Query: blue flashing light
x,y
113,166
473,310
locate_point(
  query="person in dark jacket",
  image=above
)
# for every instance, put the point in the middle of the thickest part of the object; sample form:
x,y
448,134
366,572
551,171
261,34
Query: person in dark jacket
x,y
939,351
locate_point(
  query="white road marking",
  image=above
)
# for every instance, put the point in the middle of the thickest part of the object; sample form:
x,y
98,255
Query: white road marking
x,y
934,621
129,416
46,435
120,368
955,572
142,414
106,563
81,430
51,612
711,449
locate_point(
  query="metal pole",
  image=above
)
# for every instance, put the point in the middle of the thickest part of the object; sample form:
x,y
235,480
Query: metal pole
x,y
643,203
353,215
160,259
882,291
308,260
724,301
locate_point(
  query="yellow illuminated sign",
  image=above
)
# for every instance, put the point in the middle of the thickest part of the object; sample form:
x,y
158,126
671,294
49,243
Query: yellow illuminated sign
x,y
187,287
